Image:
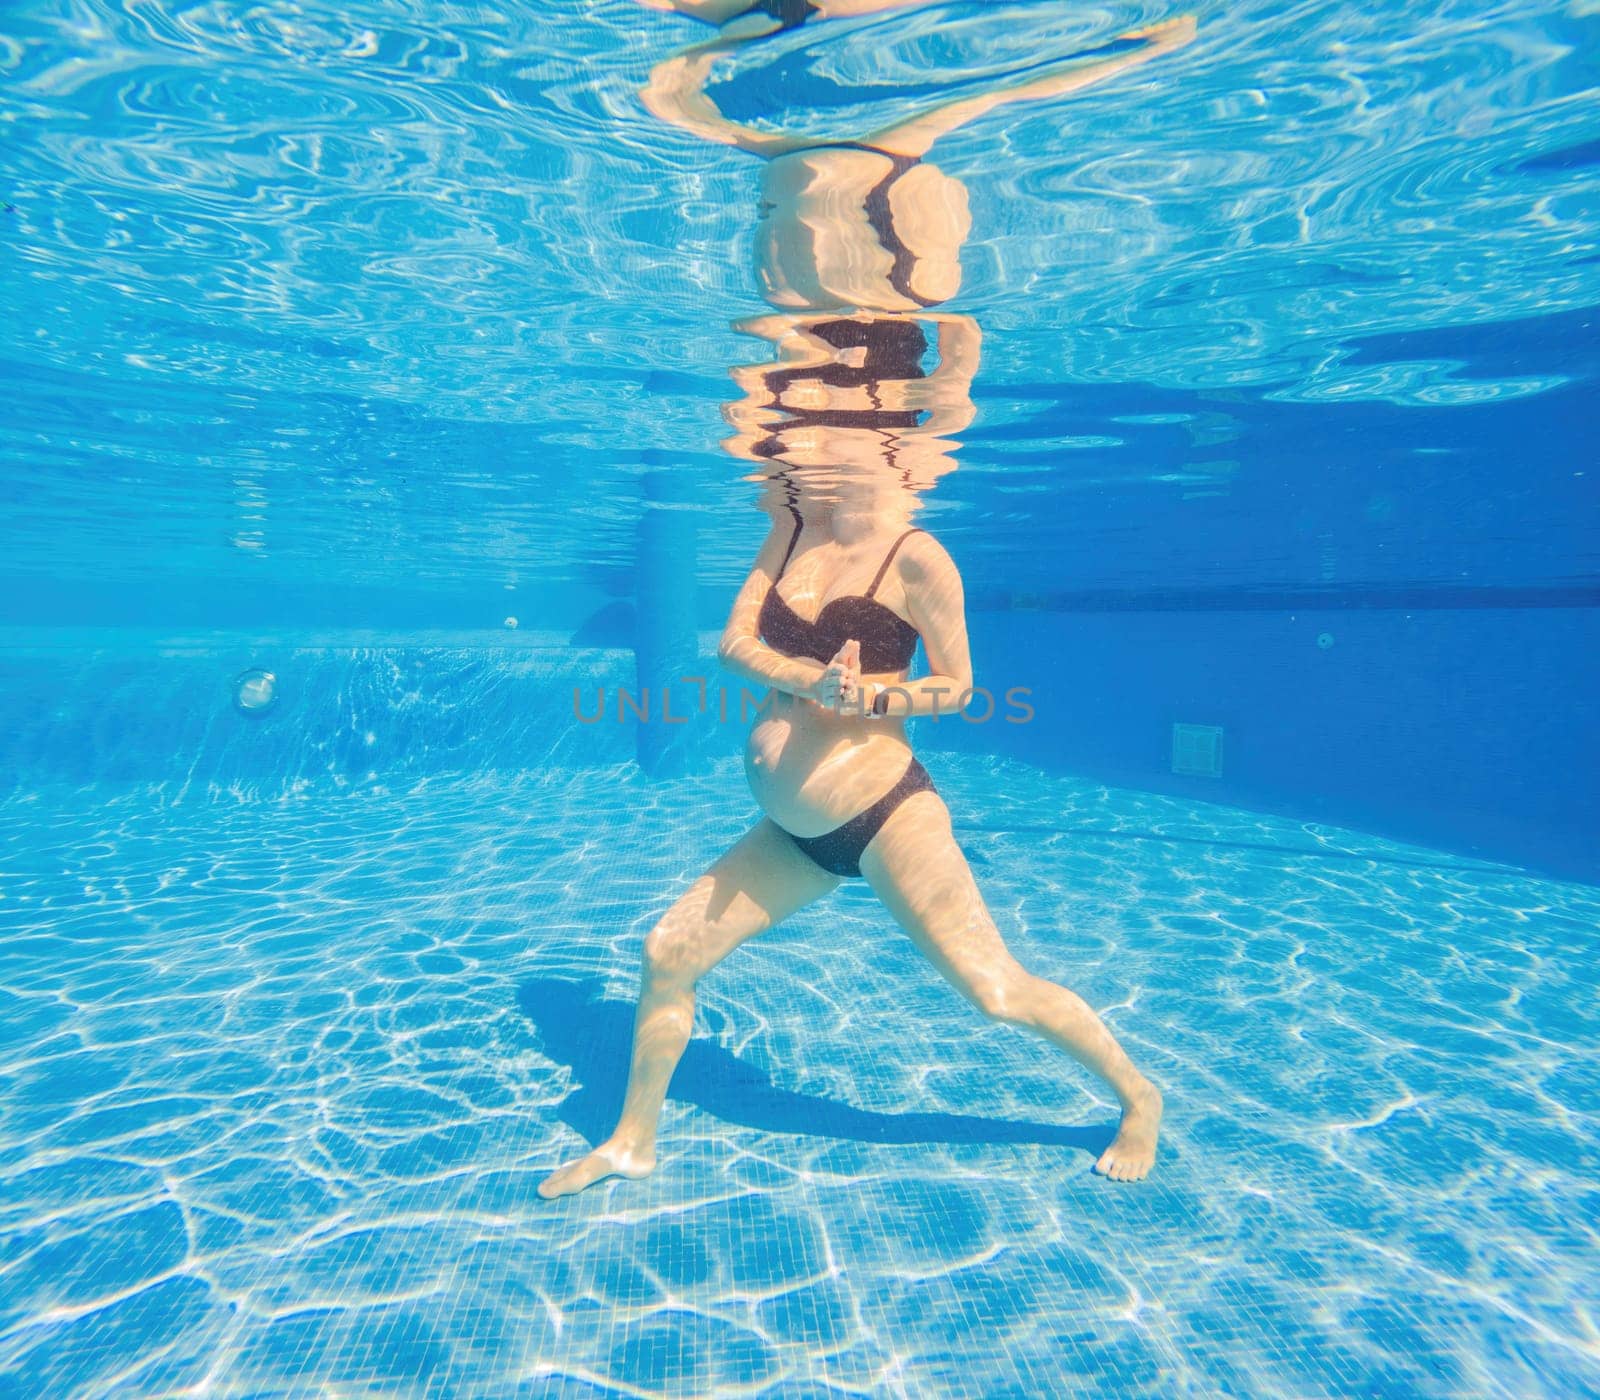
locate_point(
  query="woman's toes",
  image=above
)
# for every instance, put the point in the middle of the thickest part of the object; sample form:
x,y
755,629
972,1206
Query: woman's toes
x,y
575,1176
1119,1163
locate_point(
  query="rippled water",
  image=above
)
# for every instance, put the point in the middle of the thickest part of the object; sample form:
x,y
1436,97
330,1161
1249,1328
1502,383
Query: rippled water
x,y
413,294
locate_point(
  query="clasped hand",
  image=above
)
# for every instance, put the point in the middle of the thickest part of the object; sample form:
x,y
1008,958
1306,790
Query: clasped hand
x,y
839,687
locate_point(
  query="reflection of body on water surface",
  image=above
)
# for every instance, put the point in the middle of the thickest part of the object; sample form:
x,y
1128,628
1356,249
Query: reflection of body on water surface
x,y
870,223
858,390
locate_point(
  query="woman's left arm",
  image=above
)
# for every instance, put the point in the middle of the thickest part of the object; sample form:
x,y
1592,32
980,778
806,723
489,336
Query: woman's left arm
x,y
937,605
676,93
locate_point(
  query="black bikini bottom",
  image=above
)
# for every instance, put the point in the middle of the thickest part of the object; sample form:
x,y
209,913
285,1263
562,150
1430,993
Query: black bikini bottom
x,y
839,851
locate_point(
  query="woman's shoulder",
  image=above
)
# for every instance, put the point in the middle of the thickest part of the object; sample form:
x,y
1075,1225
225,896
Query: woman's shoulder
x,y
921,555
921,543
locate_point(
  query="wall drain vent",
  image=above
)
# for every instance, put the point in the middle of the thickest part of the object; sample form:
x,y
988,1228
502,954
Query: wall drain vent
x,y
1197,748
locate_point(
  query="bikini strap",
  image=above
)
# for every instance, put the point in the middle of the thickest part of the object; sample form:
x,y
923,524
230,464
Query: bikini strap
x,y
888,558
902,162
794,539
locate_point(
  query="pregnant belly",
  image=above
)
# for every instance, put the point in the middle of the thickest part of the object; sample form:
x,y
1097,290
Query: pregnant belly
x,y
811,771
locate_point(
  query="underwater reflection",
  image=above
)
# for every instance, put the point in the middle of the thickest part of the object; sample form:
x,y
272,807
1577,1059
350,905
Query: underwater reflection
x,y
869,223
849,424
852,393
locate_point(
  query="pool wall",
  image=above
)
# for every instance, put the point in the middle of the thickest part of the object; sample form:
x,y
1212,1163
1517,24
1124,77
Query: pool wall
x,y
1473,730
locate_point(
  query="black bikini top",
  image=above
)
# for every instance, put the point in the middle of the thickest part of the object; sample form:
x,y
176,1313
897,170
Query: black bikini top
x,y
887,640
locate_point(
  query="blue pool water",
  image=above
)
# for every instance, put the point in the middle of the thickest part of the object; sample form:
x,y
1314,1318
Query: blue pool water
x,y
402,352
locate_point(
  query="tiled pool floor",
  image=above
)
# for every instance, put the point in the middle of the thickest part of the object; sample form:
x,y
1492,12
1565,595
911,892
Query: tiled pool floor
x,y
280,1079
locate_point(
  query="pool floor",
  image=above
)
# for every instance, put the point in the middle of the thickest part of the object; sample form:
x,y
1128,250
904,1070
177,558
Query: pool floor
x,y
281,1076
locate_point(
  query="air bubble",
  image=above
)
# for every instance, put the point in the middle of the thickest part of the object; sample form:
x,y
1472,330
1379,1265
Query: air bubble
x,y
255,691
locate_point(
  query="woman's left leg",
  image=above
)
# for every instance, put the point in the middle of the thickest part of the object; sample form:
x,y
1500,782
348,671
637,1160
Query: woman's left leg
x,y
916,868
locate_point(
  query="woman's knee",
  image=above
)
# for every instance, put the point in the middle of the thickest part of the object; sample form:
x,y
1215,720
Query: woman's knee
x,y
669,957
676,949
1003,994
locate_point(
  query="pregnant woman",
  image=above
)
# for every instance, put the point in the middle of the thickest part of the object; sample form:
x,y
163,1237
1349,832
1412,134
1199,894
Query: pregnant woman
x,y
844,588
840,595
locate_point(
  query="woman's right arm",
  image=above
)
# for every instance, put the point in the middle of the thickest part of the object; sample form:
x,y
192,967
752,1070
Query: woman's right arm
x,y
743,652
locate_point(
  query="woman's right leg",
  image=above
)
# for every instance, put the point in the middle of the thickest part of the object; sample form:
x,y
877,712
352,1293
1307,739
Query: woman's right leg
x,y
762,880
915,135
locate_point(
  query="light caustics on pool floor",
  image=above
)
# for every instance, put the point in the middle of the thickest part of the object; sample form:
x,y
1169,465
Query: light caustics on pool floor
x,y
283,1077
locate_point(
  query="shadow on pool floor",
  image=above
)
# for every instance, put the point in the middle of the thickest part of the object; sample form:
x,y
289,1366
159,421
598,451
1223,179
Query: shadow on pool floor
x,y
594,1037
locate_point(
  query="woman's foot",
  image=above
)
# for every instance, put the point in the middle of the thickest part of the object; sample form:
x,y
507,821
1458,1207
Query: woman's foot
x,y
1133,1151
611,1158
